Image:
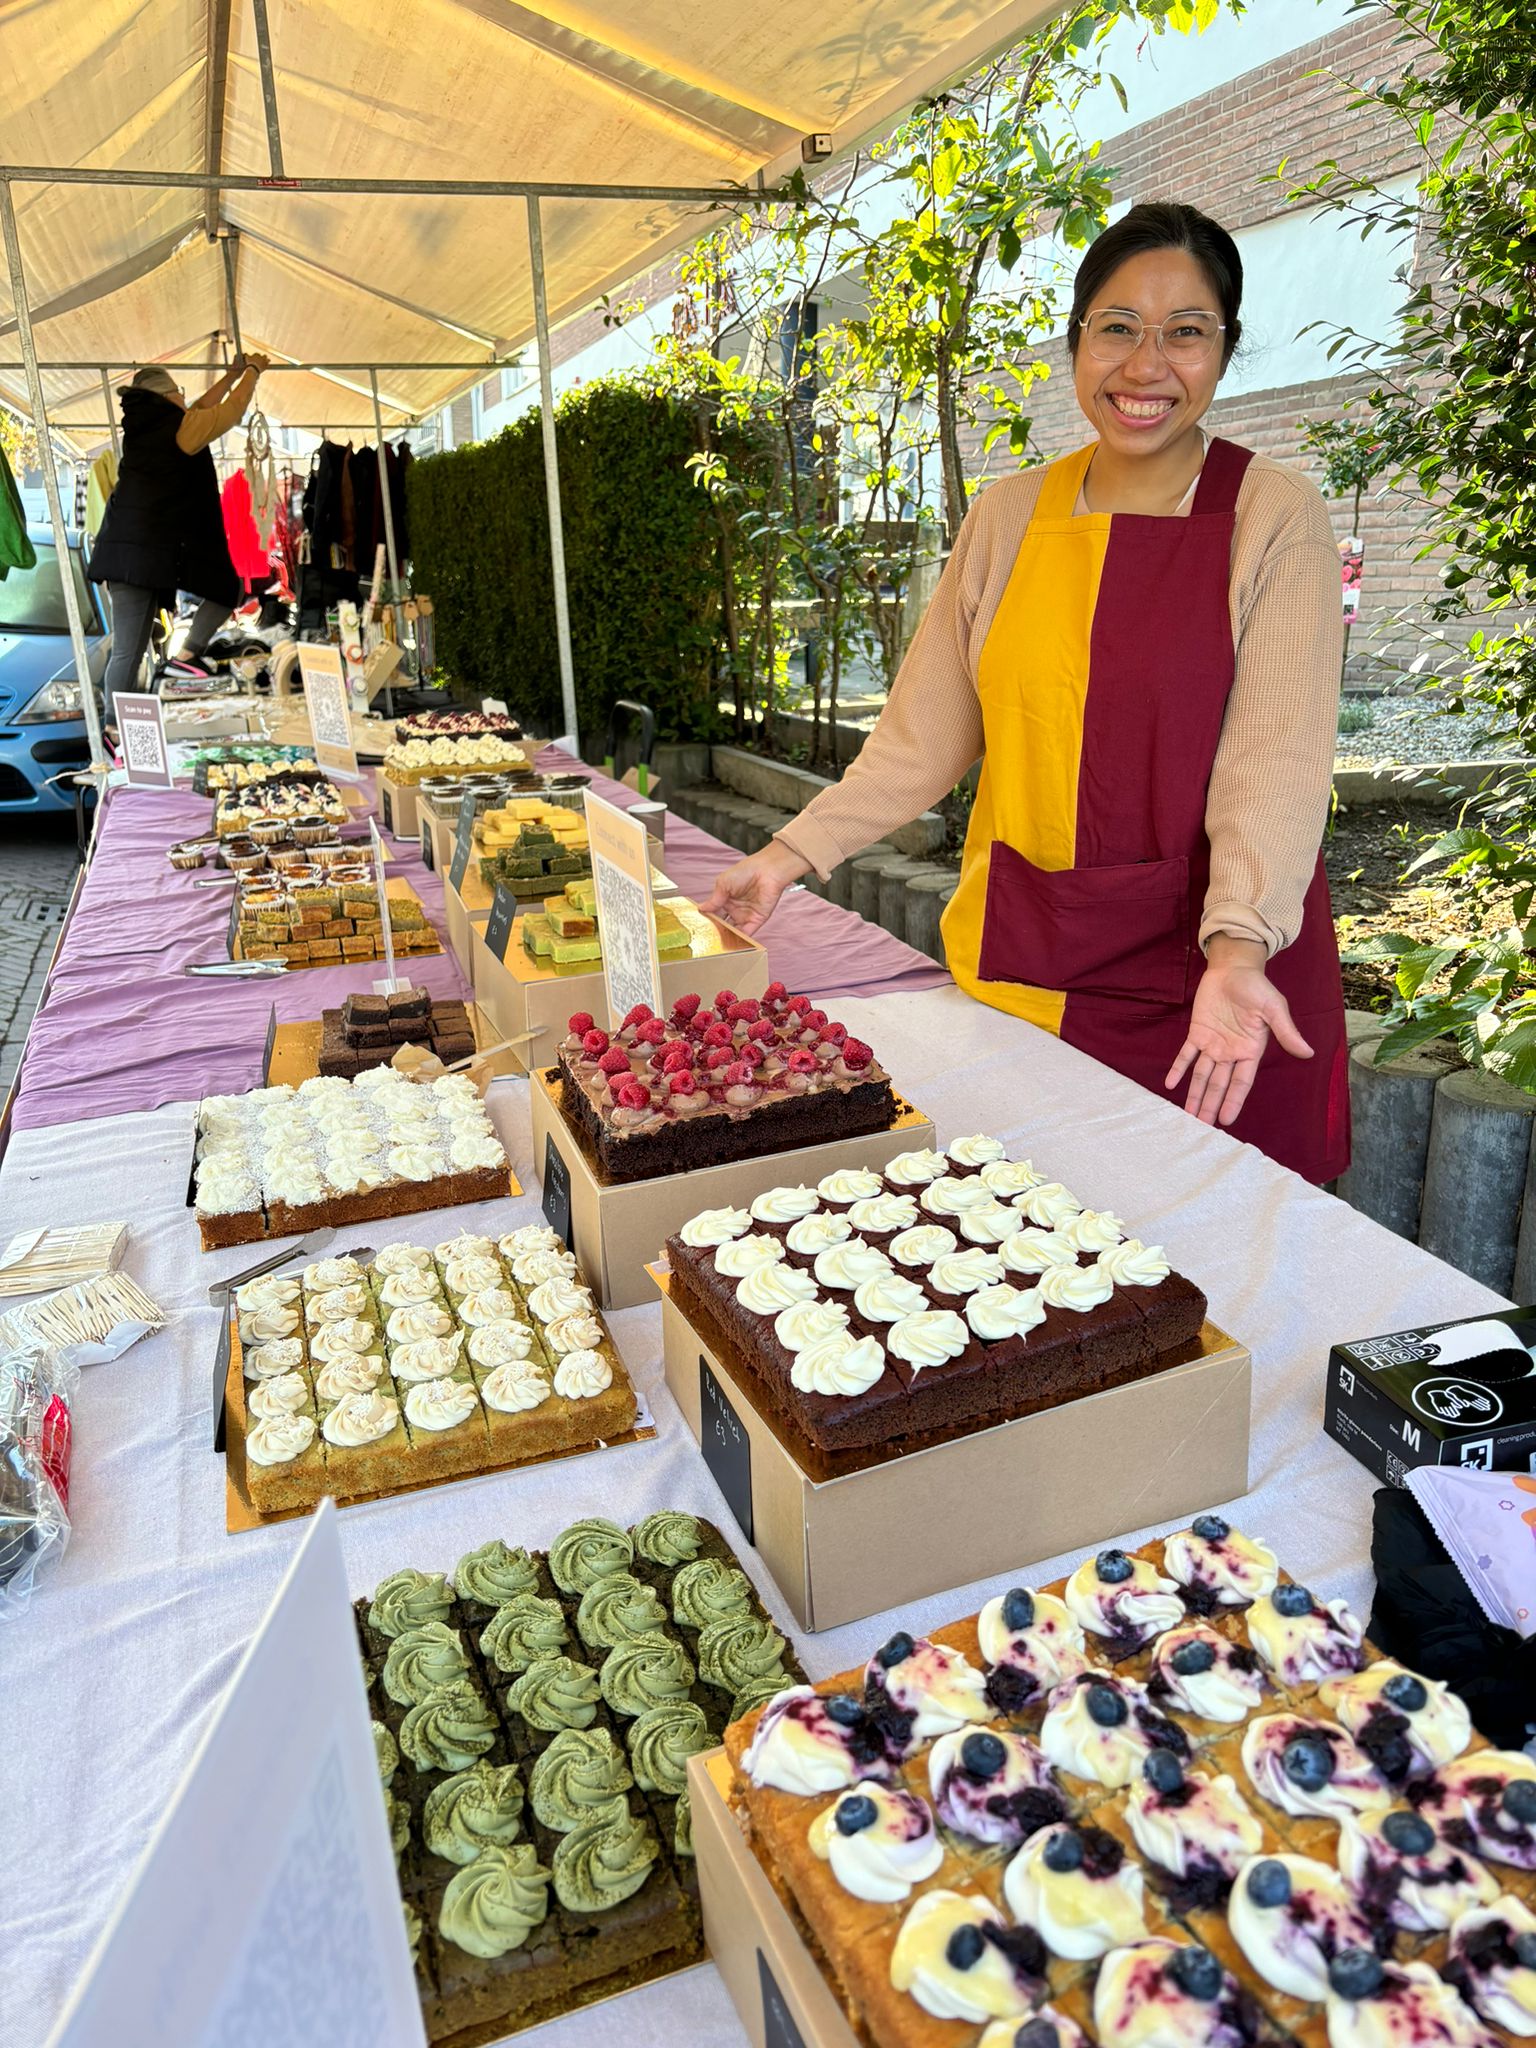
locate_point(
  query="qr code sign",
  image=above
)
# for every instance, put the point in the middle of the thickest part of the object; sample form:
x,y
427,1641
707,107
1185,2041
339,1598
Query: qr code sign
x,y
626,917
328,712
141,746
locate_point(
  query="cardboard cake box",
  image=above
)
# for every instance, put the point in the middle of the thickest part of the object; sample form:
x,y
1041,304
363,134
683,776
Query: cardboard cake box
x,y
521,994
969,1508
617,1228
1461,1393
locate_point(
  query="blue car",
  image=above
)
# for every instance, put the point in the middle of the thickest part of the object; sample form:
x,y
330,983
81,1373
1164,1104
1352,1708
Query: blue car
x,y
42,728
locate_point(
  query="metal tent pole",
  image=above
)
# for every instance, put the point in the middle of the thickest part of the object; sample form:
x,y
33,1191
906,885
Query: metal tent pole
x,y
552,469
51,479
389,533
106,392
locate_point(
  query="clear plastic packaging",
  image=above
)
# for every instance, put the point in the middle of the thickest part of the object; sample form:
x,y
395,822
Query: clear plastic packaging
x,y
1487,1522
37,1391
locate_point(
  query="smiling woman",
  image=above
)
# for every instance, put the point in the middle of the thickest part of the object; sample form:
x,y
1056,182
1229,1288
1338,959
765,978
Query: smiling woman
x,y
1142,642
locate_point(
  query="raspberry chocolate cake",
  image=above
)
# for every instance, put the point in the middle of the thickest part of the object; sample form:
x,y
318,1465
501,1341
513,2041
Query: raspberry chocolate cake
x,y
710,1084
1005,1835
946,1292
533,1717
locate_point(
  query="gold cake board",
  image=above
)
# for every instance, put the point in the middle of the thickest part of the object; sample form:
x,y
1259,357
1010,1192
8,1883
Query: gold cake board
x,y
296,1049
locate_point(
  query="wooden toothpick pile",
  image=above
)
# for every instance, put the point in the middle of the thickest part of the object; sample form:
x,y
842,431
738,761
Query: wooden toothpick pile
x,y
37,1260
91,1312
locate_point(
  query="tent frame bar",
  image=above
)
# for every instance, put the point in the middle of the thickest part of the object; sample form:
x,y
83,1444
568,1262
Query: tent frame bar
x,y
552,474
486,364
456,188
268,86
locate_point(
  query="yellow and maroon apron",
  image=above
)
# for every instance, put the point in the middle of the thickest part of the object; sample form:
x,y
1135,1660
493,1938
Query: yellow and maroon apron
x,y
1103,683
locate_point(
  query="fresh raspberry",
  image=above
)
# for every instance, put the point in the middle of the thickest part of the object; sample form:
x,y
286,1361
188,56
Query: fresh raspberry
x,y
775,992
633,1095
815,1020
684,1008
614,1061
799,1004
738,1073
676,1058
724,1000
718,1034
684,1082
834,1034
763,1031
638,1015
856,1053
801,1062
580,1024
594,1043
652,1031
718,1056
744,1013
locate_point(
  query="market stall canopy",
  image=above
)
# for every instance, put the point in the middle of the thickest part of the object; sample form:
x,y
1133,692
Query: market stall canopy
x,y
629,93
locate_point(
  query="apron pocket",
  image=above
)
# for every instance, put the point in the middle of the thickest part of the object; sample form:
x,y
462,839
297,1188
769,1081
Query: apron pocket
x,y
1112,931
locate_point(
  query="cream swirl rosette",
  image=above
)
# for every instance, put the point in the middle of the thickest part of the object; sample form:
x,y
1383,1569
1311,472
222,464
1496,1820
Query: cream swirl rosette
x,y
916,1169
931,1338
279,1439
879,1841
1035,1251
714,1227
440,1404
839,1364
767,1290
805,1743
784,1205
995,1313
944,1961
808,1322
1218,1565
1436,1727
742,1255
1078,1890
923,1244
285,1394
811,1235
410,1325
979,1150
355,1372
848,1184
514,1385
582,1375
359,1419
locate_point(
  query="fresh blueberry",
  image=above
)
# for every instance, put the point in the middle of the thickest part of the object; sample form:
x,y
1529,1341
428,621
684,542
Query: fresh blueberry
x,y
845,1710
1292,1601
1197,1973
1113,1567
963,1949
1525,1951
1518,1800
1189,1659
1163,1771
896,1651
1037,2033
1018,1612
1105,1706
855,1813
1064,1851
1269,1883
1308,1762
1210,1528
983,1755
1406,1692
1410,1834
1355,1973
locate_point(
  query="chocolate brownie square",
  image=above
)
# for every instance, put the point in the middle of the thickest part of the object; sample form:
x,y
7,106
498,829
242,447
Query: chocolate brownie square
x,y
365,1009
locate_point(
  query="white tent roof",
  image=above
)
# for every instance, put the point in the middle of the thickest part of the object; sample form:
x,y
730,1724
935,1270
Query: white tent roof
x,y
651,93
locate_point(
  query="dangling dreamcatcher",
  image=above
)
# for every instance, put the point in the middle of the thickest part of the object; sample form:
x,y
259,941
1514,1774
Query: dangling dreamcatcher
x,y
261,476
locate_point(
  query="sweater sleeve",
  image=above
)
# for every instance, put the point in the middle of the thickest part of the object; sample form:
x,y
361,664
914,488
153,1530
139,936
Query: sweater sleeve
x,y
926,738
1267,801
204,423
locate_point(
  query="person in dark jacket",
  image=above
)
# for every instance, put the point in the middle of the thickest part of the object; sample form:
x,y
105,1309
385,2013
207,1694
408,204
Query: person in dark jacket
x,y
163,530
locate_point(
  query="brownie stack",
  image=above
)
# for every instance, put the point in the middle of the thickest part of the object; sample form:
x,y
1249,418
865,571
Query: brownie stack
x,y
367,1030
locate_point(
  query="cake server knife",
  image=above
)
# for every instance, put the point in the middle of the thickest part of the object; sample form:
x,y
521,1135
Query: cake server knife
x,y
242,970
314,1242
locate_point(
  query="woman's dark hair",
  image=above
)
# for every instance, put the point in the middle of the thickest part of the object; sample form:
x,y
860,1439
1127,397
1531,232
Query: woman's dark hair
x,y
1163,224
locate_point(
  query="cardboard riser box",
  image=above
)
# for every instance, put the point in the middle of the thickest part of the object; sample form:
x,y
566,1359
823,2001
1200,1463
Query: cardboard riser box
x,y
522,997
1063,1479
399,809
462,925
776,1986
618,1228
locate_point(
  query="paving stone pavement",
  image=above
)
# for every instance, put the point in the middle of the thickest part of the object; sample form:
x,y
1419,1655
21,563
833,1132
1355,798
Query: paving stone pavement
x,y
38,865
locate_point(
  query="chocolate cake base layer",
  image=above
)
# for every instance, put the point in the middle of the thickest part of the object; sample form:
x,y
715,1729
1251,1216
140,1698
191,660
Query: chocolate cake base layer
x,y
692,1143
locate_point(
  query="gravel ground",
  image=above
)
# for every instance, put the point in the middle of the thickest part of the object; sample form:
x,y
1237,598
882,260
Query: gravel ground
x,y
1407,729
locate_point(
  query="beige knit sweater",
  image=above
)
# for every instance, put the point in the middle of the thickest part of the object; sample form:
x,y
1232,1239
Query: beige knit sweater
x,y
1267,799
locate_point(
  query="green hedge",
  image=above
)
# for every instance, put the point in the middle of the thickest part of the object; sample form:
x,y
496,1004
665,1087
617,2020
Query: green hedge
x,y
641,563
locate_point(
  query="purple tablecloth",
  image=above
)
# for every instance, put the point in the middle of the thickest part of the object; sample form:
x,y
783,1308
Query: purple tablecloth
x,y
122,1027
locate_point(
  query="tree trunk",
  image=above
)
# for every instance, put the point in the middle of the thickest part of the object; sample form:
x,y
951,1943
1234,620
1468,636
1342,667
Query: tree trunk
x,y
949,449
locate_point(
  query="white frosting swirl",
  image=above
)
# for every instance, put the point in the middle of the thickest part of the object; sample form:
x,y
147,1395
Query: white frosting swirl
x,y
500,1344
1437,1731
745,1254
1427,1893
847,1266
987,1226
1283,1942
513,1386
1093,1230
920,1964
352,1373
262,1361
440,1404
279,1439
916,1169
467,1245
581,1375
1353,1788
529,1237
417,1162
1144,1604
1075,1287
1009,1177
402,1290
714,1226
1049,1204
888,1297
785,1205
808,1322
938,1685
840,1364
1222,1692
351,1334
1050,1649
1138,2003
881,1862
469,1275
881,1214
951,1197
267,1290
286,1394
409,1325
797,1748
582,1332
476,1151
921,1246
1504,1993
493,1305
766,1290
360,1419
267,1325
1235,1568
963,1272
815,1234
928,1339
1414,2004
979,1150
1035,1251
541,1263
1134,1264
429,1358
848,1184
337,1303
1210,1824
1075,1915
1003,1311
1075,1742
402,1258
1304,1649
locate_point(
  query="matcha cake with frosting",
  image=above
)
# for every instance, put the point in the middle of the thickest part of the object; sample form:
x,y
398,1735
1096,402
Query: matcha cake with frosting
x,y
1174,1800
533,1716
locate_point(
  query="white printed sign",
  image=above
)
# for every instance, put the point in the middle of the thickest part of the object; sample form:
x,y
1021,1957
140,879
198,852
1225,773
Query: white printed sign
x,y
266,1908
389,984
626,911
141,734
330,716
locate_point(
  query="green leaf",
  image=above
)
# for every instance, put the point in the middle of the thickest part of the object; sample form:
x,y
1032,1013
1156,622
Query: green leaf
x,y
1421,965
1410,1036
1125,105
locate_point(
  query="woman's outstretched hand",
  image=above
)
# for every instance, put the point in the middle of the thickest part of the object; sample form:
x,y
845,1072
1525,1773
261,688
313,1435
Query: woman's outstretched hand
x,y
1237,1009
746,895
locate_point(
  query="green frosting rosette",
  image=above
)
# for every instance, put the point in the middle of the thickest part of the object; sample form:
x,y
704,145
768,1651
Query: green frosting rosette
x,y
477,1809
492,1905
618,1609
399,1817
646,1674
448,1729
741,1651
682,1827
605,1860
709,1591
406,1599
386,1751
555,1693
526,1629
589,1550
421,1659
412,1928
669,1537
493,1574
759,1693
661,1742
582,1769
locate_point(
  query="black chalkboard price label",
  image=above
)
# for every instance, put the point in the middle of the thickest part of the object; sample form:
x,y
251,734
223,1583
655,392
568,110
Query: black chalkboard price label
x,y
779,2029
498,926
726,1446
387,806
557,1193
464,844
428,851
266,1051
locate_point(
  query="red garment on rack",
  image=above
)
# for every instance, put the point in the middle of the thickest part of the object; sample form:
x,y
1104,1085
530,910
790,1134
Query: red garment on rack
x,y
252,561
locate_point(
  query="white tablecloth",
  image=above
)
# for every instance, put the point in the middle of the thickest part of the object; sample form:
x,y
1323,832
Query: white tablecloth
x,y
110,1676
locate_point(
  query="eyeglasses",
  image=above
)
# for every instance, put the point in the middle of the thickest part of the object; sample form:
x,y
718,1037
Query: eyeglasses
x,y
1113,335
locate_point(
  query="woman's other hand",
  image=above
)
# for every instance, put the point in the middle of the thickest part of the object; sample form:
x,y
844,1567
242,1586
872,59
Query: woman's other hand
x,y
746,895
1237,1009
254,363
